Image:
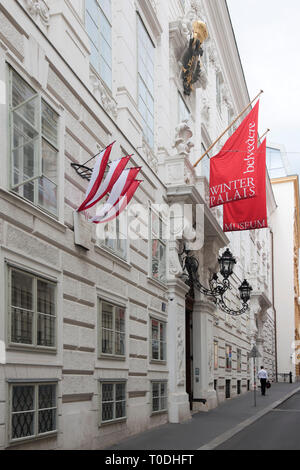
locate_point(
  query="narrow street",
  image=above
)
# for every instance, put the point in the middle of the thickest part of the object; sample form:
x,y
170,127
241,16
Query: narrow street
x,y
278,430
214,429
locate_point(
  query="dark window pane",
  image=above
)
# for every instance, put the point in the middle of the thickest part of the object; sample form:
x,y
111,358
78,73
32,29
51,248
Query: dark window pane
x,y
47,396
22,425
47,421
22,398
107,411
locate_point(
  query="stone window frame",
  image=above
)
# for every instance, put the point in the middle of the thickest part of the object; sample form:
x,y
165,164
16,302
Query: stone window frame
x,y
36,276
165,323
113,382
161,410
101,355
36,383
40,95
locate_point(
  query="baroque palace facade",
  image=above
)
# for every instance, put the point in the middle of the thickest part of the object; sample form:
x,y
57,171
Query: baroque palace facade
x,y
100,338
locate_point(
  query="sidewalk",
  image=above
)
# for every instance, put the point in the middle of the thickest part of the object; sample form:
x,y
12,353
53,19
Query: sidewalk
x,y
208,430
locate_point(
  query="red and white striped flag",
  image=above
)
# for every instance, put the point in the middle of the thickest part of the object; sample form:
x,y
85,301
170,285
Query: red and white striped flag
x,y
97,176
119,190
112,176
122,203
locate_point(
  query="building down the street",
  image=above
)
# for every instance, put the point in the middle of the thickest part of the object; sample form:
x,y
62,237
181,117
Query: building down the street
x,y
101,337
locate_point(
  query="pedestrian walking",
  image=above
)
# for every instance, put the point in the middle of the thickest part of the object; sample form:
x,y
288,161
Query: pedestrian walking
x,y
263,377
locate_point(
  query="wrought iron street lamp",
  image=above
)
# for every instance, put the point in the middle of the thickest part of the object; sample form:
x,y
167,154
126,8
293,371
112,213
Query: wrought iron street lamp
x,y
217,287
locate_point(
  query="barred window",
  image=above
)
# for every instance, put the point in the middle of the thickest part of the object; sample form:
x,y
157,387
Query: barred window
x,y
34,145
146,82
158,247
98,21
216,355
113,401
33,410
112,324
158,340
32,310
159,397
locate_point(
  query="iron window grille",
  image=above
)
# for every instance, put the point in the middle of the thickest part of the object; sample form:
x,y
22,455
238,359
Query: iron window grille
x,y
32,310
113,401
33,411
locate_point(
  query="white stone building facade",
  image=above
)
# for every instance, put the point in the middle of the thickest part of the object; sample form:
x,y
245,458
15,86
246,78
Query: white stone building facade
x,y
100,340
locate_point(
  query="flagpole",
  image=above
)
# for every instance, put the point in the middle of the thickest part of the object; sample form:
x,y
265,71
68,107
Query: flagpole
x,y
220,137
99,153
267,131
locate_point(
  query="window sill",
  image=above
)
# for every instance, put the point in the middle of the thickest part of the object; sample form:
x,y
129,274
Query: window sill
x,y
32,349
112,255
32,209
31,439
156,283
111,423
157,362
158,413
111,358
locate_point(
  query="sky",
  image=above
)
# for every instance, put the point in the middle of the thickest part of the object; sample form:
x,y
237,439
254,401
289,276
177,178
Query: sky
x,y
268,37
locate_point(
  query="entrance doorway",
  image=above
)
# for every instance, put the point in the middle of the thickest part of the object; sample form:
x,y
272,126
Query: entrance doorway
x,y
189,346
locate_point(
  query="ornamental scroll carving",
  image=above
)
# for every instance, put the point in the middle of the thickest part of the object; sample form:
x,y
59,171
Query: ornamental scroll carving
x,y
39,8
100,92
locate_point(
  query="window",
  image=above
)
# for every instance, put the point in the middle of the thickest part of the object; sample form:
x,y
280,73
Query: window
x,y
34,145
32,310
239,360
33,410
216,355
113,401
184,113
158,247
158,340
115,237
159,397
112,321
218,91
146,82
98,25
228,357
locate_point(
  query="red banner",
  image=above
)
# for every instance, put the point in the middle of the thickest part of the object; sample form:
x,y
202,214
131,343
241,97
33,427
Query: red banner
x,y
233,170
249,214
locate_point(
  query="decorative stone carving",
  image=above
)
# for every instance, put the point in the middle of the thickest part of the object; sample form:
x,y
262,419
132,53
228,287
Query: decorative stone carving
x,y
205,112
180,355
150,156
39,8
100,92
183,135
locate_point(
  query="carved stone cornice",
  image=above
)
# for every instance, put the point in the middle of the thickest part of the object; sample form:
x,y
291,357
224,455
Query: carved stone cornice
x,y
38,8
103,96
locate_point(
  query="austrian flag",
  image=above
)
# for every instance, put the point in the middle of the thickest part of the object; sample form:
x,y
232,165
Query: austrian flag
x,y
233,172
